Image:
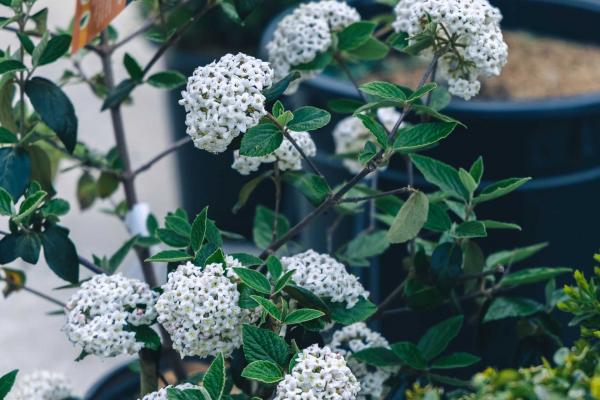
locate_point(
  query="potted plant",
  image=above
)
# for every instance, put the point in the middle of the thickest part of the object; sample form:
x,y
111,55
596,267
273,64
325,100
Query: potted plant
x,y
281,320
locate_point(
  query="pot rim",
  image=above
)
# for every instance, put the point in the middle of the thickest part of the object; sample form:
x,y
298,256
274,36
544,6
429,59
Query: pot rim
x,y
585,103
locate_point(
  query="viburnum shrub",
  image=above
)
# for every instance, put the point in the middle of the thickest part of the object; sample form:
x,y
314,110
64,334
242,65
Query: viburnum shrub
x,y
281,322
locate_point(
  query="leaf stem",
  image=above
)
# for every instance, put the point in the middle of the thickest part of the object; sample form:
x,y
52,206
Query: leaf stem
x,y
35,292
172,148
408,189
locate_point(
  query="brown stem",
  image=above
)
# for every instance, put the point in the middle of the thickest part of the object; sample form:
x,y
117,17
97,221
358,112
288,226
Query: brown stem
x,y
35,292
331,231
387,302
407,189
148,371
174,147
90,265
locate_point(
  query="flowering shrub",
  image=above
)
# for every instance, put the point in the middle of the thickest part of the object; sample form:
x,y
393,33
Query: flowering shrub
x,y
278,322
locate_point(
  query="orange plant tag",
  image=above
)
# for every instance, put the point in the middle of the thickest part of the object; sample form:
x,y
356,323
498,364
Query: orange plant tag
x,y
91,18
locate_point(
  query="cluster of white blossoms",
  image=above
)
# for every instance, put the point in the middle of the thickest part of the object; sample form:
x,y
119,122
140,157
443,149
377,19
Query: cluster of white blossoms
x,y
199,308
304,34
101,311
354,338
481,50
325,276
162,394
319,374
350,136
224,99
286,156
41,385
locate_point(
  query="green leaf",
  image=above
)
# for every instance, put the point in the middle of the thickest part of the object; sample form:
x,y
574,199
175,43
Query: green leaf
x,y
344,106
133,68
262,230
179,225
437,218
268,306
355,35
26,42
467,180
283,281
214,379
364,246
187,394
277,89
30,204
107,184
509,257
167,80
6,382
170,256
302,315
368,153
11,66
348,316
15,171
410,219
422,135
440,174
60,253
376,129
117,259
320,62
470,229
307,298
309,118
313,187
422,91
533,275
499,189
172,238
446,261
7,137
372,50
54,108
437,338
198,230
263,371
248,189
410,355
254,279
274,266
489,224
7,206
146,335
384,90
508,307
56,48
119,94
377,356
86,190
24,245
261,140
476,170
455,360
262,344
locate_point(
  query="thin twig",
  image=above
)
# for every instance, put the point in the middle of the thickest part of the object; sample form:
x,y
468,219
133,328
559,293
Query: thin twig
x,y
277,182
90,265
331,231
174,147
35,292
387,302
408,189
289,137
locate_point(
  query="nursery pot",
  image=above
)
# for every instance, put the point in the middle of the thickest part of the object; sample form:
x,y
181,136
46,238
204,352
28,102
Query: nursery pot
x,y
555,141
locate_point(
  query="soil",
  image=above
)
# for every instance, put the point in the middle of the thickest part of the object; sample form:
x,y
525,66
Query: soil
x,y
538,67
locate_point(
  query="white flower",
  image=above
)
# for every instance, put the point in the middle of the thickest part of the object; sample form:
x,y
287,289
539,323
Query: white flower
x,y
306,33
101,311
199,308
319,374
350,136
286,156
162,394
224,99
41,385
324,276
477,25
354,338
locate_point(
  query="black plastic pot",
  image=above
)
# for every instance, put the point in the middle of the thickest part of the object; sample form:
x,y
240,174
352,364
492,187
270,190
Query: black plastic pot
x,y
554,140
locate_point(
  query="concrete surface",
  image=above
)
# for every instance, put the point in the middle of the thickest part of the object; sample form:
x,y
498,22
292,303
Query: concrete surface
x,y
29,339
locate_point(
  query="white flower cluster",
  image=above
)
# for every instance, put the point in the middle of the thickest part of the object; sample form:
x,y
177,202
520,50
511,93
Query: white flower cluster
x,y
324,276
162,394
199,308
319,374
306,33
224,99
350,136
482,50
286,156
354,338
41,385
100,312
